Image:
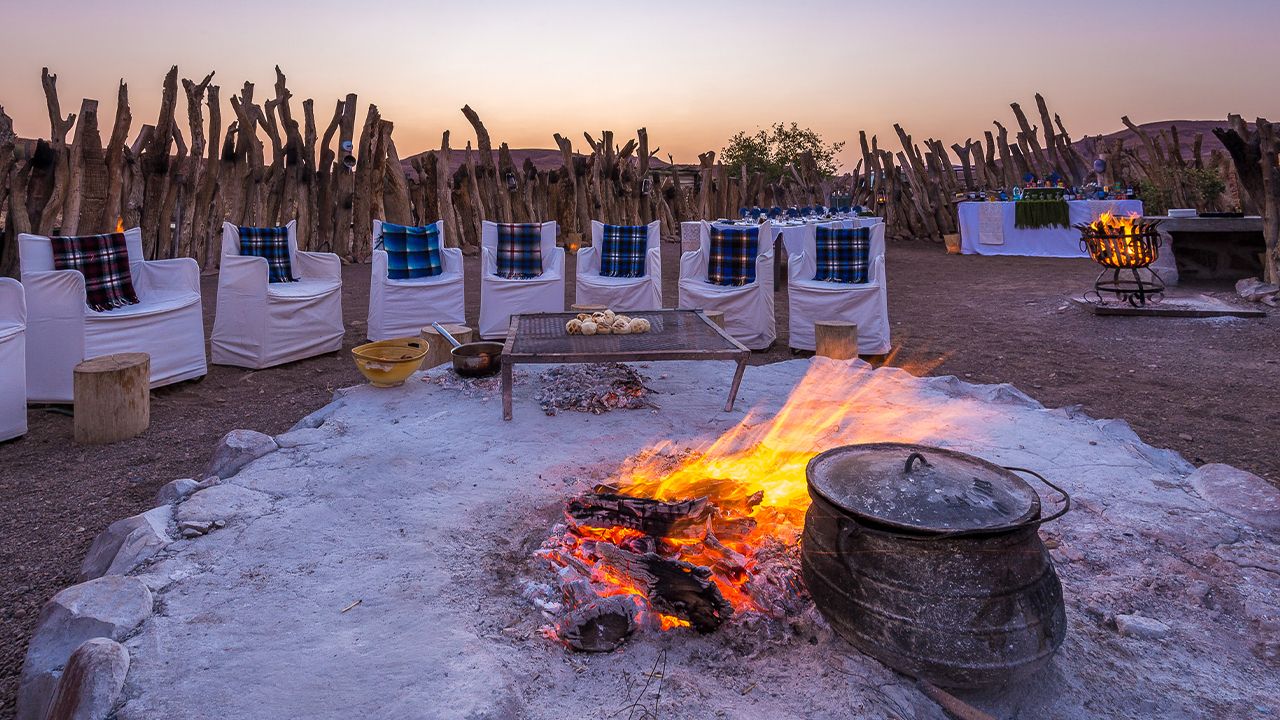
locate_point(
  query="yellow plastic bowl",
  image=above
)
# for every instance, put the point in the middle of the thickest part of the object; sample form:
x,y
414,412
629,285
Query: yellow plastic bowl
x,y
388,363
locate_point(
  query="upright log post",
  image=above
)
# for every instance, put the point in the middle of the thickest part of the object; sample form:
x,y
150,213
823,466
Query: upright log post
x,y
345,181
444,195
61,170
155,164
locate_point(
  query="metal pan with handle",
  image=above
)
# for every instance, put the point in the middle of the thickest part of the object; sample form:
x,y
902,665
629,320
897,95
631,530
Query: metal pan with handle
x,y
474,359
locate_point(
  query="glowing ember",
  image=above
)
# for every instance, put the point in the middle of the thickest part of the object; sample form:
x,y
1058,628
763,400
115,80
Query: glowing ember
x,y
734,506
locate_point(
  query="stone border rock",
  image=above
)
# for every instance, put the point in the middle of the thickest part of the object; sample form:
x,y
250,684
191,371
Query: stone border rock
x,y
75,666
108,607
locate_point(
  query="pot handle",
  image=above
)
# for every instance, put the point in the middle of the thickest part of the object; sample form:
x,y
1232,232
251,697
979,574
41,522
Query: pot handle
x,y
1066,499
845,530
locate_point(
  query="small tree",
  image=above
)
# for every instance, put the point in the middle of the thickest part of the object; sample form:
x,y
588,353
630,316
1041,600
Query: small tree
x,y
770,151
1202,187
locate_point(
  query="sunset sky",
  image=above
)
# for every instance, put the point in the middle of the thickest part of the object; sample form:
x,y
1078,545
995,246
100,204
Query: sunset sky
x,y
693,72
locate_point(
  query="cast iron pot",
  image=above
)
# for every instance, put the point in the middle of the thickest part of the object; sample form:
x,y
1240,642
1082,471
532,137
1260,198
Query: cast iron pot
x,y
929,561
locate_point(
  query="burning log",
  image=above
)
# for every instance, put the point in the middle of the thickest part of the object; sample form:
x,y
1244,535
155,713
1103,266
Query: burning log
x,y
601,625
651,517
672,586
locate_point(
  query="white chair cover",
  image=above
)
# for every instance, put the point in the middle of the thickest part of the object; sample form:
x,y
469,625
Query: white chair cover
x,y
748,309
642,293
866,305
501,297
401,308
260,324
13,359
168,324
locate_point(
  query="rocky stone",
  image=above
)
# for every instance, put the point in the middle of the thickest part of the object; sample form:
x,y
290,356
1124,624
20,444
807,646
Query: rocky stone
x,y
176,491
223,502
317,418
1143,628
302,436
1254,290
108,607
128,543
1240,494
237,449
195,528
91,682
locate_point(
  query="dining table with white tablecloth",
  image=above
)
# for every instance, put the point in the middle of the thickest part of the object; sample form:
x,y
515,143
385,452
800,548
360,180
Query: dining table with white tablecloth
x,y
989,228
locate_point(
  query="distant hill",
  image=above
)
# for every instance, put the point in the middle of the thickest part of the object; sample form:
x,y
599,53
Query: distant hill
x,y
1187,131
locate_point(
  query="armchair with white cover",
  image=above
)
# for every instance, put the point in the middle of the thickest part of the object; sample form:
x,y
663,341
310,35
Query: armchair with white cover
x,y
401,308
748,309
502,297
260,324
620,293
62,330
864,304
13,359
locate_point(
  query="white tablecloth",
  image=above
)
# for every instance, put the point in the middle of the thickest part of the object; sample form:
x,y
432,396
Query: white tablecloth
x,y
986,228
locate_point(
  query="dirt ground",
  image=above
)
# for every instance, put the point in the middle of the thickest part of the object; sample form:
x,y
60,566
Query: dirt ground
x,y
1208,388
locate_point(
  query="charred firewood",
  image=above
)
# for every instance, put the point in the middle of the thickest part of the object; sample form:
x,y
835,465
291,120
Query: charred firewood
x,y
651,517
729,561
673,587
733,528
601,625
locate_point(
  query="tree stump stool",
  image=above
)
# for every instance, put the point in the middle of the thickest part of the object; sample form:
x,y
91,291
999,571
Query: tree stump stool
x,y
835,339
439,349
715,316
112,397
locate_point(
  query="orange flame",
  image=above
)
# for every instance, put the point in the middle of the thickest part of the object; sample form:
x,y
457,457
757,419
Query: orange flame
x,y
119,224
1112,224
754,474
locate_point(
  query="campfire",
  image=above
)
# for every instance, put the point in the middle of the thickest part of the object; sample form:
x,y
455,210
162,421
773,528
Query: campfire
x,y
696,537
1124,243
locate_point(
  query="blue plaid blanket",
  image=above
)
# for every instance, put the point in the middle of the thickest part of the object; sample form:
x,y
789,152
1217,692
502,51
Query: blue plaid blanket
x,y
104,262
843,254
271,243
412,252
733,255
519,250
622,251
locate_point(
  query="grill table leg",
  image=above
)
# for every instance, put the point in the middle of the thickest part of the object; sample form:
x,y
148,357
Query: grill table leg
x,y
737,380
506,390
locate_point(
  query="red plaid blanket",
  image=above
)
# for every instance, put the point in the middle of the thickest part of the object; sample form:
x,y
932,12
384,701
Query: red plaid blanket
x,y
104,262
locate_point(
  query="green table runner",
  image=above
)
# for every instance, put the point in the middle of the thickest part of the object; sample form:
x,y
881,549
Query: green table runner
x,y
1032,214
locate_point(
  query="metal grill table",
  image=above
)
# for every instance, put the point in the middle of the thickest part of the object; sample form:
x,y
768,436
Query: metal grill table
x,y
673,335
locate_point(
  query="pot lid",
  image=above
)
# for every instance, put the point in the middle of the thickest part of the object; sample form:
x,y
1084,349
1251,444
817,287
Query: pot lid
x,y
922,489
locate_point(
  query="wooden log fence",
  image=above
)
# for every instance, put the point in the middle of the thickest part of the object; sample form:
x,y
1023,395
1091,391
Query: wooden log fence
x,y
180,180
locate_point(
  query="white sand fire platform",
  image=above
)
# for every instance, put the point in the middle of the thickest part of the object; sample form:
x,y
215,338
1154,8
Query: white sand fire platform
x,y
371,567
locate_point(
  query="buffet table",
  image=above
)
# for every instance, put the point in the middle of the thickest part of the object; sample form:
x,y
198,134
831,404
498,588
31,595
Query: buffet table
x,y
987,228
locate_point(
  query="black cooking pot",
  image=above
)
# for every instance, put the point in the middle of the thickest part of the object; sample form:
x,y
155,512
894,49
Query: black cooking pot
x,y
929,560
